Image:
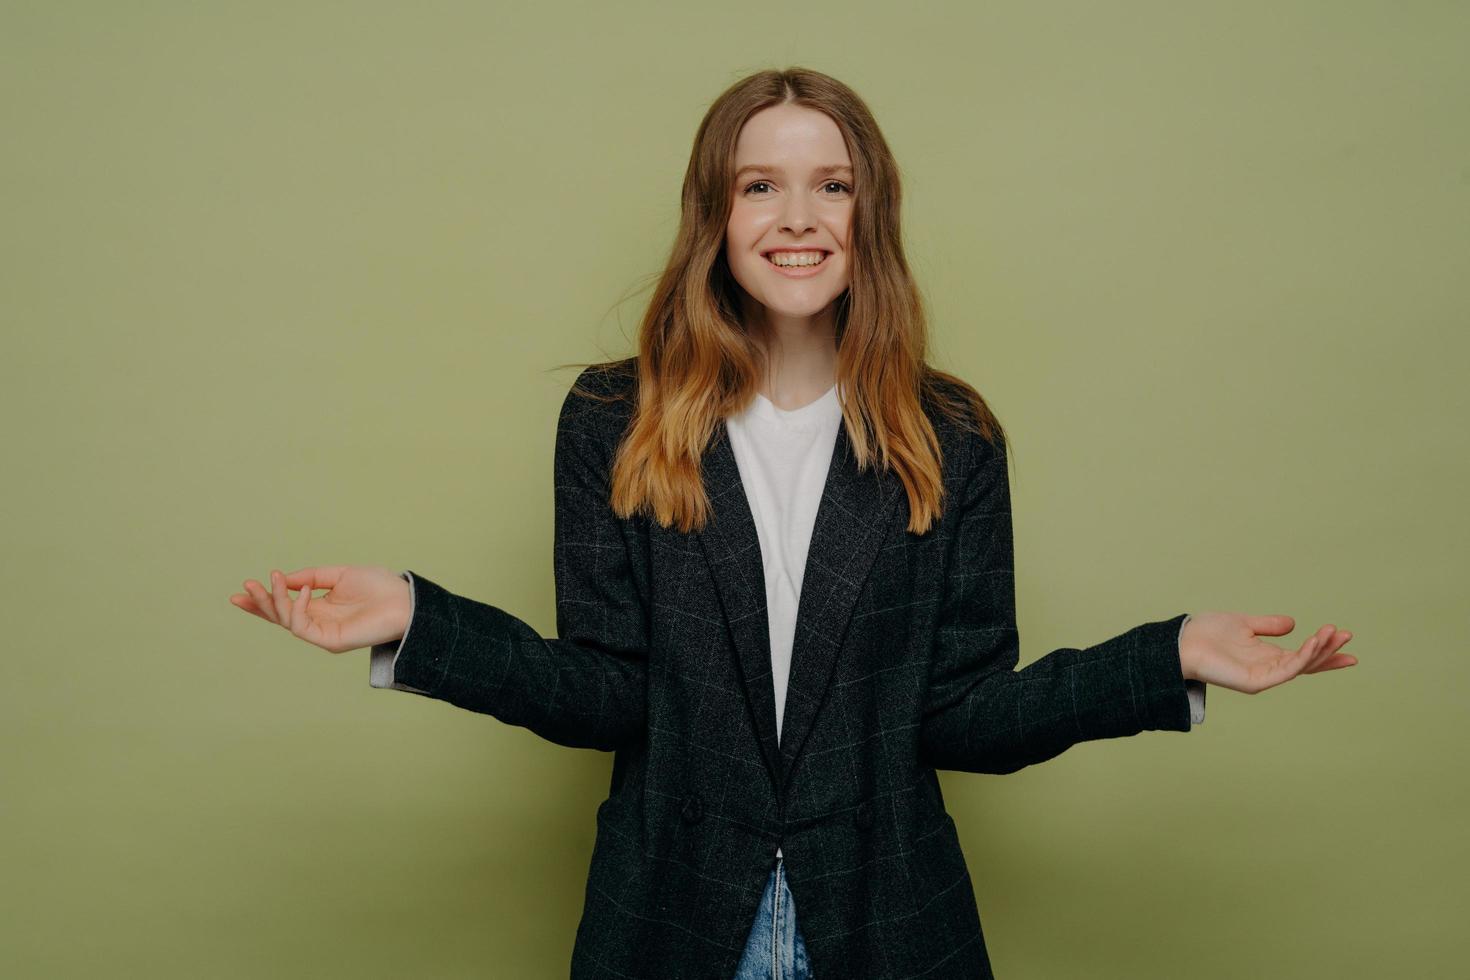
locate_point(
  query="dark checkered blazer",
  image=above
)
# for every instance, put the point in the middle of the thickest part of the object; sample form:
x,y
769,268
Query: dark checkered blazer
x,y
903,663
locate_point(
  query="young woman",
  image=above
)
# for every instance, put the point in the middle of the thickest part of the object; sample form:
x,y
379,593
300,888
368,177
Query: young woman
x,y
784,590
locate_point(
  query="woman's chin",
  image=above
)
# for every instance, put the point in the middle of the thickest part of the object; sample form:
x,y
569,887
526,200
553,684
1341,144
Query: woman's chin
x,y
797,302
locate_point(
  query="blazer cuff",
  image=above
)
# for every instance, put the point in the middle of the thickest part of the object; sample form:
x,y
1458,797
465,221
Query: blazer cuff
x,y
383,658
1195,689
1160,696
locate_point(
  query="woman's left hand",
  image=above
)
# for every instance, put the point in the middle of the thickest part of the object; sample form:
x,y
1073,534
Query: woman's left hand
x,y
1227,649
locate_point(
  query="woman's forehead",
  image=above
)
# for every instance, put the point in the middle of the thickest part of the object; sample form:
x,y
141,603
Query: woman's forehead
x,y
790,136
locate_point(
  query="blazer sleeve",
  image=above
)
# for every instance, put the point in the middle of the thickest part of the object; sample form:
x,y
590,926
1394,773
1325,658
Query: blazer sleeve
x,y
982,715
586,689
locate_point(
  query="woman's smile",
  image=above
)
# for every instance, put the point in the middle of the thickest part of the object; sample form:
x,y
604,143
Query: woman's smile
x,y
797,264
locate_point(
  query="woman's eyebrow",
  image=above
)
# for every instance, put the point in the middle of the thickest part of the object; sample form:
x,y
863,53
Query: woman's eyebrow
x,y
831,168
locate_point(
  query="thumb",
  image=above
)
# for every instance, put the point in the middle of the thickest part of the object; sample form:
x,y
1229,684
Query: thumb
x,y
1271,625
315,577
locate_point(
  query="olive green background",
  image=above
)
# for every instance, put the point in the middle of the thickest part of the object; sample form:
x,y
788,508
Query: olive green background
x,y
287,284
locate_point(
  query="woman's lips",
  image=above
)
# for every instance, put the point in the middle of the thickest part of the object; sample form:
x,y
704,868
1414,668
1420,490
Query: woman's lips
x,y
799,271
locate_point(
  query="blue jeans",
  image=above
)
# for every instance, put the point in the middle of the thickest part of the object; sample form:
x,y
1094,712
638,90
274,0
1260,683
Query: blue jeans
x,y
775,950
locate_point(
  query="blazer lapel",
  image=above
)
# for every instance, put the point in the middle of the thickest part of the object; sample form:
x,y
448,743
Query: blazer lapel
x,y
853,518
733,550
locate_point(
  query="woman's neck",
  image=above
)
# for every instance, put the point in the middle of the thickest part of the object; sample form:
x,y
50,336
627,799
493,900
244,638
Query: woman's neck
x,y
800,359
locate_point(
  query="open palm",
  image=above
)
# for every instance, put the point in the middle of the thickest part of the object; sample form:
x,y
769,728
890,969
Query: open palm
x,y
1227,649
367,604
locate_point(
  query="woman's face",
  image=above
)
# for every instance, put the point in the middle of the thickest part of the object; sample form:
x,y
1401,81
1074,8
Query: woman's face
x,y
792,190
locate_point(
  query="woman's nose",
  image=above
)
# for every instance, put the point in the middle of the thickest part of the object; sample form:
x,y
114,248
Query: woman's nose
x,y
797,218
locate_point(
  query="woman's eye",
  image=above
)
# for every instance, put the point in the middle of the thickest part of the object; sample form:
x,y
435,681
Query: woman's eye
x,y
841,187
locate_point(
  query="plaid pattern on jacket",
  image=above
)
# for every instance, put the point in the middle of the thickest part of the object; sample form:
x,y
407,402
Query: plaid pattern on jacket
x,y
903,663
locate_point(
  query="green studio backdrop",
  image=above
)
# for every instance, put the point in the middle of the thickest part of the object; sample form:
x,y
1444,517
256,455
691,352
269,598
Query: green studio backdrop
x,y
286,284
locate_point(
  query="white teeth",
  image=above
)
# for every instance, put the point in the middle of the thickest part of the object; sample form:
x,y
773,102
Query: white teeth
x,y
796,258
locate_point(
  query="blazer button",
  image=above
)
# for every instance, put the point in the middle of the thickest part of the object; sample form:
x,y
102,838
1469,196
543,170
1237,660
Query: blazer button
x,y
693,810
864,816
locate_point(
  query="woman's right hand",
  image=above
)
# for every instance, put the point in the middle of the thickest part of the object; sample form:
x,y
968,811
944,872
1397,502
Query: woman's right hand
x,y
366,605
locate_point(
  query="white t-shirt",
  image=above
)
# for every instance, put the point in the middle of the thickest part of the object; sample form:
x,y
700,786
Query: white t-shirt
x,y
783,458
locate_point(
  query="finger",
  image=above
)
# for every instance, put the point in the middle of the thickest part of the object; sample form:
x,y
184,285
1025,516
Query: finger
x,y
1326,642
1271,625
299,620
1323,641
262,600
281,598
1335,662
1309,657
1308,651
1281,664
1330,655
248,604
316,576
1327,645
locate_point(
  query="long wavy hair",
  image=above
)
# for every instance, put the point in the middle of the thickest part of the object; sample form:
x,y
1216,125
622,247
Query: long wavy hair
x,y
696,363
